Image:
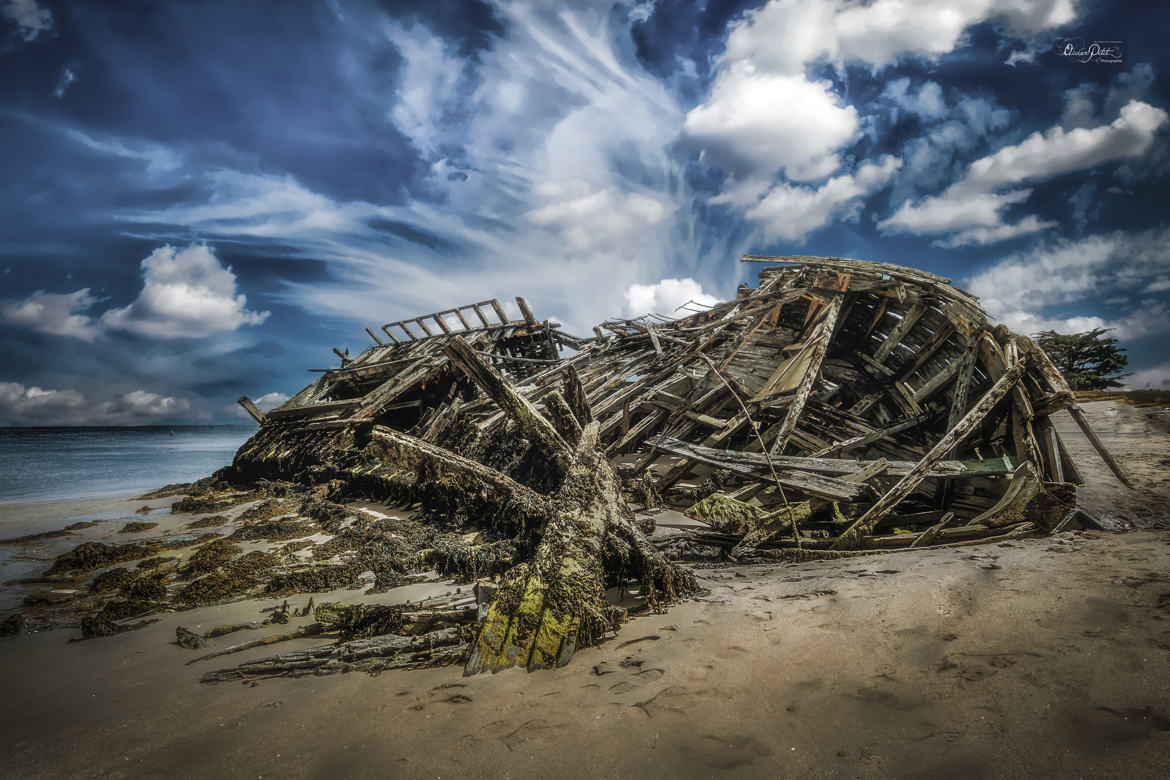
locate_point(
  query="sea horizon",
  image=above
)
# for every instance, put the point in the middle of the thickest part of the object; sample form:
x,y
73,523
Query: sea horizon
x,y
48,463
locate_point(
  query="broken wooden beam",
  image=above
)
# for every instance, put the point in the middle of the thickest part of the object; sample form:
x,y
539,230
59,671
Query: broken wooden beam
x,y
820,345
852,537
532,424
252,409
1078,415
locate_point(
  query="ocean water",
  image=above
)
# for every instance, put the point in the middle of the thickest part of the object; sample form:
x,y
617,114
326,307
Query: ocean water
x,y
38,464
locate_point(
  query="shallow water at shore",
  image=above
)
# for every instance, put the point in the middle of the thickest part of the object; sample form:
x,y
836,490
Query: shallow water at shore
x,y
41,464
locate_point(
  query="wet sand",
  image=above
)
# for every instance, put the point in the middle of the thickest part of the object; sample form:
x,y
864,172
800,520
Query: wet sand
x,y
1042,657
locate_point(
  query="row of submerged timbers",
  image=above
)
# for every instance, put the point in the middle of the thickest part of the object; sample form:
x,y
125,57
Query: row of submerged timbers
x,y
841,407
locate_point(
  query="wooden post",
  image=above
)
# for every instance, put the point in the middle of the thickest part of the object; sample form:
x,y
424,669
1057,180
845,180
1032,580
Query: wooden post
x,y
524,310
252,409
574,395
377,340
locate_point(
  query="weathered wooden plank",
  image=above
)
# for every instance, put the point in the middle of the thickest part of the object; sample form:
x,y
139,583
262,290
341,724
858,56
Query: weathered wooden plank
x,y
820,339
926,350
311,409
525,311
908,483
867,472
963,382
758,462
395,386
410,451
868,438
899,331
864,267
574,395
938,382
1078,415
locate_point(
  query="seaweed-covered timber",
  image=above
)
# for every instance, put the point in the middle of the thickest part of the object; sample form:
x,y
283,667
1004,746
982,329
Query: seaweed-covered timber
x,y
839,408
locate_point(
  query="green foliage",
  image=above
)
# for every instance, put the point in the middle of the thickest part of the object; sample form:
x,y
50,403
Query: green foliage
x,y
1089,360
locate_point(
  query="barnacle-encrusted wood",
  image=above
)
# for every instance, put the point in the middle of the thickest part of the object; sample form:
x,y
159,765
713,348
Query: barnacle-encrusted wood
x,y
839,406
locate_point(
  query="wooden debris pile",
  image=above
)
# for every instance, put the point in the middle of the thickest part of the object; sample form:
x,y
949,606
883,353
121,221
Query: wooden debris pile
x,y
438,421
840,406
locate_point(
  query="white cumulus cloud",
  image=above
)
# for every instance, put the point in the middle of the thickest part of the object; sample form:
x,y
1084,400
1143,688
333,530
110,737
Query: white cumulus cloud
x,y
791,212
1155,378
592,219
21,405
428,85
972,209
57,315
665,297
766,116
186,293
756,124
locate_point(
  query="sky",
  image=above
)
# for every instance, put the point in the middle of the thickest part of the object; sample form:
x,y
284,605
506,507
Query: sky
x,y
199,200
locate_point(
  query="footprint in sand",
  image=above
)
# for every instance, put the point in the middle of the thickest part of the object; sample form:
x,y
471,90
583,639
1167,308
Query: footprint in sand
x,y
637,680
668,700
535,729
725,752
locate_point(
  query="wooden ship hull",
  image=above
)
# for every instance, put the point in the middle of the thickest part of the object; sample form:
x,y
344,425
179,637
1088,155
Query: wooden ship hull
x,y
840,407
836,380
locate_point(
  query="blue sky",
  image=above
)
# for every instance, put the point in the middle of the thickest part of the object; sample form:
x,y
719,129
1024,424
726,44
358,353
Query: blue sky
x,y
198,200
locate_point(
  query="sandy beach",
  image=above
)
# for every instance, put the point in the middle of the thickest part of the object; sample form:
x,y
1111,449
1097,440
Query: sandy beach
x,y
1039,657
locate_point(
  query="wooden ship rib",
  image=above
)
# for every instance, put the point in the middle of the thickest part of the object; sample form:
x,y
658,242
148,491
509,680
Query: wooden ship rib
x,y
837,408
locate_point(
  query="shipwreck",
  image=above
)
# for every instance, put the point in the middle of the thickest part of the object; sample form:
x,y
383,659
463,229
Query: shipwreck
x,y
839,408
